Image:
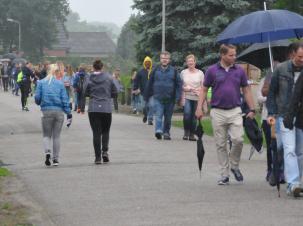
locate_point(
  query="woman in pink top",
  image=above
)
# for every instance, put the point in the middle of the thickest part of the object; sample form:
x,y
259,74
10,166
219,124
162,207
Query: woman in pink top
x,y
192,82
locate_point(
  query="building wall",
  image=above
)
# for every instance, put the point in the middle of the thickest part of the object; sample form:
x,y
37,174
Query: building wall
x,y
55,53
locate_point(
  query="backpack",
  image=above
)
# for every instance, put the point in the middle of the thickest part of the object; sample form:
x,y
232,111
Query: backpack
x,y
80,83
20,77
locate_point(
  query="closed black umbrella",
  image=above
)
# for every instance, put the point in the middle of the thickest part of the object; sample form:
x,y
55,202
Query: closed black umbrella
x,y
200,148
275,159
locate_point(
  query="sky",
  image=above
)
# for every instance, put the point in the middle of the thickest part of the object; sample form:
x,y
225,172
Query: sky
x,y
116,11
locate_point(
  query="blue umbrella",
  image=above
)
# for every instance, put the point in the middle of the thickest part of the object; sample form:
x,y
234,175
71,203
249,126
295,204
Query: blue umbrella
x,y
263,26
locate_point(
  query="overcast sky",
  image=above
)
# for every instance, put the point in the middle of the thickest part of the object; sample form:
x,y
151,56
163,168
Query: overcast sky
x,y
116,11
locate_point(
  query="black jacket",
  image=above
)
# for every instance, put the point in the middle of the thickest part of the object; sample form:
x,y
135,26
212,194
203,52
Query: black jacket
x,y
296,106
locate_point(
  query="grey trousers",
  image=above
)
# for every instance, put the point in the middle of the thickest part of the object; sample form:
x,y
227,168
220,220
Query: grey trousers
x,y
52,122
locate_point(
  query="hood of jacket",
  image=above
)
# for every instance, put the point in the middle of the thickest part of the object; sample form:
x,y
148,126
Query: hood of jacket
x,y
98,77
148,59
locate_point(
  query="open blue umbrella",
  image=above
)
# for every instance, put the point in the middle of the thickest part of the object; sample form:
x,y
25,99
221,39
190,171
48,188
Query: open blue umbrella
x,y
263,26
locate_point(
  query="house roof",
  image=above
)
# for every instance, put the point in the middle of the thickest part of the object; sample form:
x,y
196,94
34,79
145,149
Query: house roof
x,y
62,37
90,42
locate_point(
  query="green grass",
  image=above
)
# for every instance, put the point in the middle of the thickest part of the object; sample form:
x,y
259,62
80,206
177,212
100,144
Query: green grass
x,y
4,172
208,129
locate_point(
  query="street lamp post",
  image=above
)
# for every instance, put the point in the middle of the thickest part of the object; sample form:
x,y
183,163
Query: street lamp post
x,y
19,24
163,25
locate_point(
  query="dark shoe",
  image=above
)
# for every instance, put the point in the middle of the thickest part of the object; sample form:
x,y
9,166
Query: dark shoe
x,y
158,136
26,109
105,157
150,123
47,160
268,175
55,162
166,136
185,137
192,137
98,160
144,119
238,175
223,181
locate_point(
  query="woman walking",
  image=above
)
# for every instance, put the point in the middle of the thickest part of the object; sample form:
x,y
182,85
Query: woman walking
x,y
53,100
100,88
192,82
68,82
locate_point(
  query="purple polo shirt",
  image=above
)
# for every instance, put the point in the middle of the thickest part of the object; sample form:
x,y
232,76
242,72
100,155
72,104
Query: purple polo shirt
x,y
225,85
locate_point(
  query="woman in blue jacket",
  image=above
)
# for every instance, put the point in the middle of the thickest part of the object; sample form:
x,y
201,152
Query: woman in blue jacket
x,y
53,100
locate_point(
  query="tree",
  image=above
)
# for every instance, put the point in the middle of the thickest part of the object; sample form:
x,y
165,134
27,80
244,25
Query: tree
x,y
191,27
38,20
127,40
75,24
292,5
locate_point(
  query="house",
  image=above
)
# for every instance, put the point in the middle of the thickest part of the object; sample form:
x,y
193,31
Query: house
x,y
81,44
90,44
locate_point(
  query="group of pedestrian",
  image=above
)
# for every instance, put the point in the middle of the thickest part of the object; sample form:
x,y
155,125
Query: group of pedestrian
x,y
52,96
159,88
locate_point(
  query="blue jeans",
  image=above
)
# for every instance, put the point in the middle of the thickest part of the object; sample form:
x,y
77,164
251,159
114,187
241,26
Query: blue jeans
x,y
292,142
148,109
189,118
163,110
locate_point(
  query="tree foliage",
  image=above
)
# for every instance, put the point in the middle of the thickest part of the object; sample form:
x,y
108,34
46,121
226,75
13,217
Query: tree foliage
x,y
38,20
127,40
292,5
191,26
75,24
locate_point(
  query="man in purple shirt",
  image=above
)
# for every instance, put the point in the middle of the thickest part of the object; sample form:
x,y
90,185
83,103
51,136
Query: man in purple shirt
x,y
226,80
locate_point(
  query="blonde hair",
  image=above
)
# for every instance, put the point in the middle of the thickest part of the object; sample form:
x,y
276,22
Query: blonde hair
x,y
190,56
52,70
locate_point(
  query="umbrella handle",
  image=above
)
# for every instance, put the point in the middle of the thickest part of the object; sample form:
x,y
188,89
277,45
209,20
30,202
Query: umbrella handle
x,y
273,130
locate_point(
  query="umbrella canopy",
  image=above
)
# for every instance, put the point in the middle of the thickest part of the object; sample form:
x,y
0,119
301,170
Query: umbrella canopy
x,y
19,61
11,56
200,148
258,55
5,60
263,26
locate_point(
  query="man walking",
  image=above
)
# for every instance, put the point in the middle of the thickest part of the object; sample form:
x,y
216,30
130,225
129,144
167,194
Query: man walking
x,y
226,80
280,93
140,82
165,87
5,71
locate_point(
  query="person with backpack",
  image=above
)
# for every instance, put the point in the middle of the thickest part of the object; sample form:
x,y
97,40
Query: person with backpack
x,y
24,78
78,88
100,88
165,87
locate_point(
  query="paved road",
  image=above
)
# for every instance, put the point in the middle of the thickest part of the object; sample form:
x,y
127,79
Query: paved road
x,y
147,183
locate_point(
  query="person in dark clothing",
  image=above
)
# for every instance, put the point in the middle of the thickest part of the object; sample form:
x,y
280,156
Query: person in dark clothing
x,y
24,82
78,85
43,72
295,110
165,86
100,88
5,71
140,83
